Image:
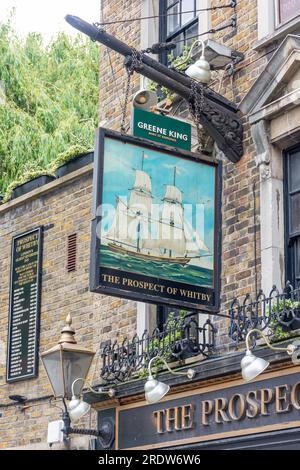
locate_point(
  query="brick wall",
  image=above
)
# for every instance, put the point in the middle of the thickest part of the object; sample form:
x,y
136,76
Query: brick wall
x,y
66,208
62,210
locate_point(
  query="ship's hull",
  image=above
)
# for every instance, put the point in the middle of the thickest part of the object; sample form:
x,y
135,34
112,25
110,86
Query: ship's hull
x,y
120,249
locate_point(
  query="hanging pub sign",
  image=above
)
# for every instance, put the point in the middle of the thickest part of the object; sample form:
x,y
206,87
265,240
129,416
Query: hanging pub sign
x,y
162,129
24,310
155,232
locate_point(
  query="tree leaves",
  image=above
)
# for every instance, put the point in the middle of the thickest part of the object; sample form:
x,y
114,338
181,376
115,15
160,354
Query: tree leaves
x,y
50,103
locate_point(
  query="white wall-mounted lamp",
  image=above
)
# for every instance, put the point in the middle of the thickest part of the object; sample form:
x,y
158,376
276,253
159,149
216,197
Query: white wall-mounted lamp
x,y
253,366
77,407
156,390
200,70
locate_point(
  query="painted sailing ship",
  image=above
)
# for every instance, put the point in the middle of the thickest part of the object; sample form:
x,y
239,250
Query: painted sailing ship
x,y
175,241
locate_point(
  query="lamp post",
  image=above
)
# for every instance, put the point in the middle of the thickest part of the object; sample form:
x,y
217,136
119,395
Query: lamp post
x,y
67,366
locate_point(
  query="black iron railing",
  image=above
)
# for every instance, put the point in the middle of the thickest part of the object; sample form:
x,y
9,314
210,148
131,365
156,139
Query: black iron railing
x,y
277,312
179,339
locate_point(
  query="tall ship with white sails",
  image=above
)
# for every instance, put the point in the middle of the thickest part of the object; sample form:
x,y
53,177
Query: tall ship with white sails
x,y
131,231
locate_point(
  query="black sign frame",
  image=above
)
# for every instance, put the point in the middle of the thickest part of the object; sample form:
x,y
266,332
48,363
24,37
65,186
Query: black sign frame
x,y
95,269
34,373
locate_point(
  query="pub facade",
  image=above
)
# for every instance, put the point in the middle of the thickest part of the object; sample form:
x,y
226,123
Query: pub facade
x,y
194,321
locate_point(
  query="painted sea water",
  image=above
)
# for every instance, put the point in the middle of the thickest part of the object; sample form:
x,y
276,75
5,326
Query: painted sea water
x,y
188,274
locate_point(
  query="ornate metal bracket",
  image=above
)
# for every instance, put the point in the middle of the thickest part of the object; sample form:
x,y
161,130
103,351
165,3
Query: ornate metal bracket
x,y
219,116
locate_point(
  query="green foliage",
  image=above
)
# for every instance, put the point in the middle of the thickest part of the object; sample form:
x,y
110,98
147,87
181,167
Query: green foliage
x,y
180,63
73,152
49,101
174,325
277,330
29,175
160,345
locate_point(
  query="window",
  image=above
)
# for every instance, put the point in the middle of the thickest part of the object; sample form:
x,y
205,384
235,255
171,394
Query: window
x,y
292,213
176,25
286,10
163,315
276,19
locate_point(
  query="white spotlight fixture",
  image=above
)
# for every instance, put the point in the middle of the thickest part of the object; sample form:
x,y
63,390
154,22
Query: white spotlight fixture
x,y
145,100
156,390
77,407
253,366
200,70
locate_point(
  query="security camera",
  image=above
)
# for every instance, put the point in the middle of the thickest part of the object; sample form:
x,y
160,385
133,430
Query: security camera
x,y
18,398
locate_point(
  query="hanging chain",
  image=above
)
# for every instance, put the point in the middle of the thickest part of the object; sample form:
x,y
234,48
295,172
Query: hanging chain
x,y
196,106
135,64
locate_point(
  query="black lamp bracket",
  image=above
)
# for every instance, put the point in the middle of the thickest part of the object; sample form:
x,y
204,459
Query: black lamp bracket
x,y
219,117
105,434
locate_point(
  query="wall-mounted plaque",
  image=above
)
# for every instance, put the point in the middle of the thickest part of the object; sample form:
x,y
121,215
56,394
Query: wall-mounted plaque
x,y
155,234
162,129
24,310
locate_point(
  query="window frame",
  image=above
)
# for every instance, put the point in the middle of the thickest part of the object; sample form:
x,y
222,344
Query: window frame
x,y
278,23
163,35
290,237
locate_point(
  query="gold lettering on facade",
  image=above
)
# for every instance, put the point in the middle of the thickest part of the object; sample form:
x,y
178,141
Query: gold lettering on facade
x,y
281,399
266,398
253,408
187,416
170,419
177,418
221,405
207,410
295,396
158,416
237,407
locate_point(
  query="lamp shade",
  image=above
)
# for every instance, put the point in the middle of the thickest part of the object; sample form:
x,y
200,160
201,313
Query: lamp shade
x,y
252,366
78,408
65,362
155,390
200,71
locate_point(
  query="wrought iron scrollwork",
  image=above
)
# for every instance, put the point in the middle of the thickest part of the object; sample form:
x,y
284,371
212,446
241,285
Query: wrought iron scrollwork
x,y
179,339
278,308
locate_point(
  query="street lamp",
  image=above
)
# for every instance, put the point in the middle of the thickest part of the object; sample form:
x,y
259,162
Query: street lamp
x,y
253,366
156,390
65,362
67,366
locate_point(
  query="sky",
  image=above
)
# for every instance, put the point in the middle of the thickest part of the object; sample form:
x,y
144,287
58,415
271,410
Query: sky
x,y
47,16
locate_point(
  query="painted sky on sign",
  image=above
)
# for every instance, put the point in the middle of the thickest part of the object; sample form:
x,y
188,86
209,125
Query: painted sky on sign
x,y
195,180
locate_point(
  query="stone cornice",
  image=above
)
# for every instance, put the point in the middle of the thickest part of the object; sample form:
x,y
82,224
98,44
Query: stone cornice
x,y
275,72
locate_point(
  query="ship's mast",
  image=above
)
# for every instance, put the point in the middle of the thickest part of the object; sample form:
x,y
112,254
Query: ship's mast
x,y
171,221
138,228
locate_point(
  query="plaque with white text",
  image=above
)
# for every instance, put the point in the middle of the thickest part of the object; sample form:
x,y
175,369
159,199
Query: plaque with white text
x,y
24,310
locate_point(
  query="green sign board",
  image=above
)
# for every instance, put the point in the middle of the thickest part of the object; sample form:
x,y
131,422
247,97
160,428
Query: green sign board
x,y
161,129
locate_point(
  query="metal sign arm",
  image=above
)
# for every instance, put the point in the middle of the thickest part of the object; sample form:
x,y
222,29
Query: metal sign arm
x,y
218,117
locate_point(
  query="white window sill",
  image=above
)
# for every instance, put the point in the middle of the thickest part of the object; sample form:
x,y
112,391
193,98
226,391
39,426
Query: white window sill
x,y
279,33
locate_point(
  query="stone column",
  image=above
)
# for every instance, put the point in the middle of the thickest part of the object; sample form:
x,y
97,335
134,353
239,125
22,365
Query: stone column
x,y
269,161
